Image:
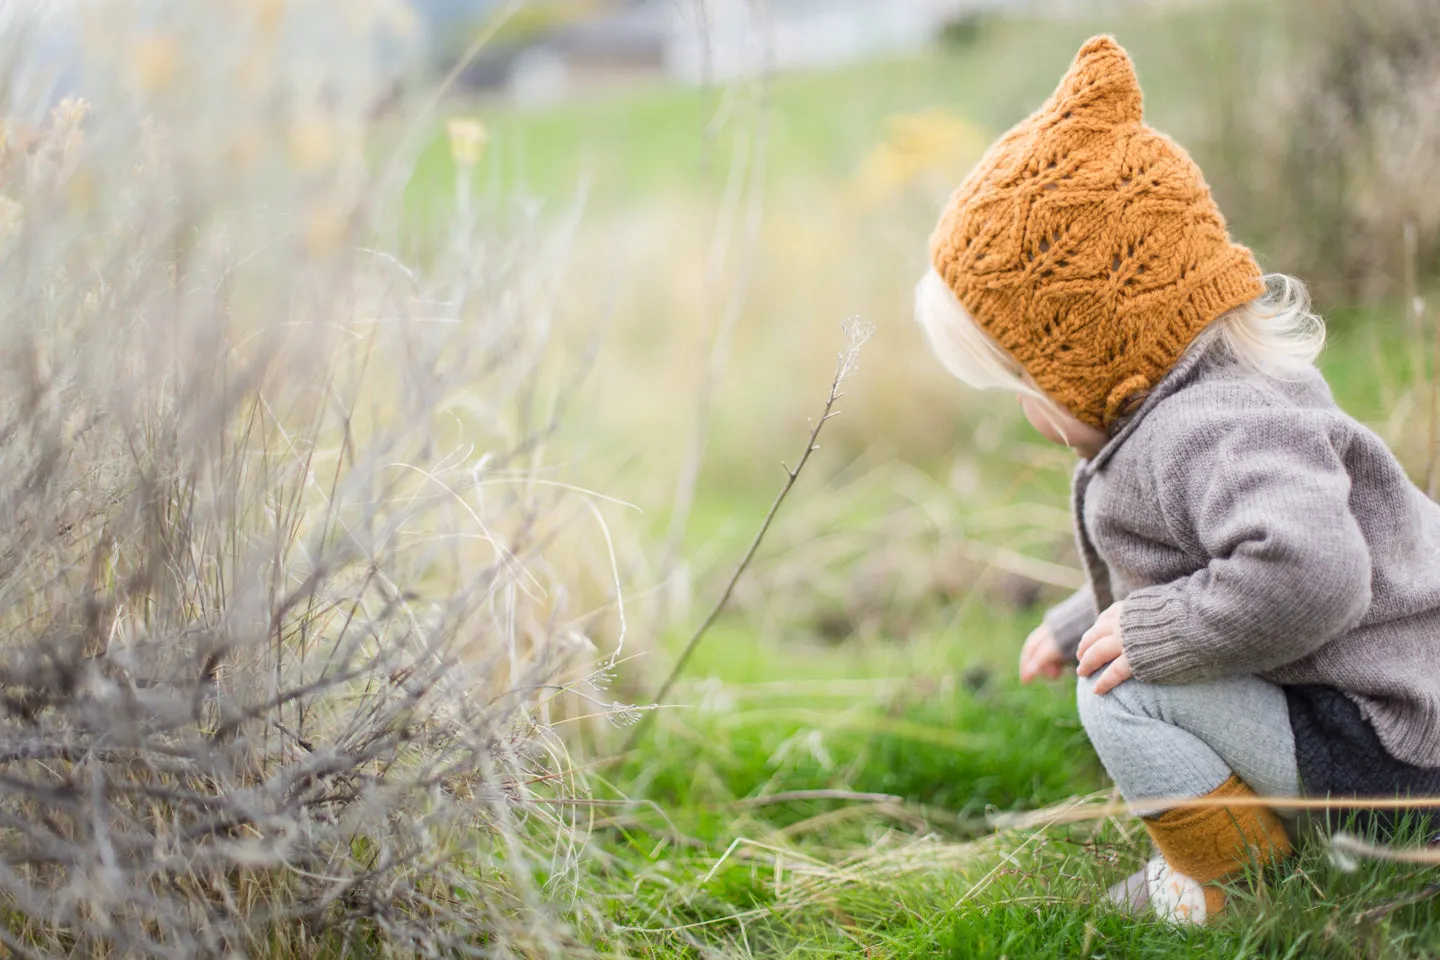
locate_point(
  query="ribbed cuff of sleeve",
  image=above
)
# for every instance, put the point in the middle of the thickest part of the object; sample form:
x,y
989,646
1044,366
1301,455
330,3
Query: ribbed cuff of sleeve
x,y
1069,619
1159,639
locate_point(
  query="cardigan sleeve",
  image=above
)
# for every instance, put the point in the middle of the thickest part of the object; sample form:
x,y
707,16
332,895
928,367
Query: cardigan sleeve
x,y
1070,618
1263,494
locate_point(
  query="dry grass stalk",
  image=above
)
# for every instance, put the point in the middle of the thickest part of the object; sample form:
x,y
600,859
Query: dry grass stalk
x,y
1432,474
857,334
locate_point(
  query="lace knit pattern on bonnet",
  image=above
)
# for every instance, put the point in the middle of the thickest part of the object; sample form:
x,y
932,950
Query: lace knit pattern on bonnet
x,y
1088,245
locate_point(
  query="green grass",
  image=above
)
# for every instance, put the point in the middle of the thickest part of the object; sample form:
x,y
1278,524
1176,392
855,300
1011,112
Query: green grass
x,y
714,867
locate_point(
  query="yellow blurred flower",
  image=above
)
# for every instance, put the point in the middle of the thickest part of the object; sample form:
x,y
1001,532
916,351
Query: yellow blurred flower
x,y
467,140
80,191
253,74
268,13
313,143
156,58
924,146
12,215
324,226
247,145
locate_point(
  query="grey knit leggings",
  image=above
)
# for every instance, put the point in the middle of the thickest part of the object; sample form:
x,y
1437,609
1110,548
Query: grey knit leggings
x,y
1184,740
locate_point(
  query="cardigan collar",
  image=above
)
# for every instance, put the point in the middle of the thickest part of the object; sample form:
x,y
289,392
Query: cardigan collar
x,y
1203,349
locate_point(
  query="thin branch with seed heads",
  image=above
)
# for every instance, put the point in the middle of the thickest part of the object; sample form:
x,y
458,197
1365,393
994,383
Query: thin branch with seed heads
x,y
857,334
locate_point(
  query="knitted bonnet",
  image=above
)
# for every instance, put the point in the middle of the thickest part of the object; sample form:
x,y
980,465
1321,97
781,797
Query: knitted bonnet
x,y
1087,244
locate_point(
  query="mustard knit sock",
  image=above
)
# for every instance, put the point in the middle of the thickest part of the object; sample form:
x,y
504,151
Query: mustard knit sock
x,y
1209,843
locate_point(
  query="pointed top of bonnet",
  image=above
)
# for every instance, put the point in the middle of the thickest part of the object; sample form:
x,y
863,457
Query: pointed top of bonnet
x,y
1100,85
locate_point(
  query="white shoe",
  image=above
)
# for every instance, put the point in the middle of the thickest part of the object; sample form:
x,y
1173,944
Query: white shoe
x,y
1174,897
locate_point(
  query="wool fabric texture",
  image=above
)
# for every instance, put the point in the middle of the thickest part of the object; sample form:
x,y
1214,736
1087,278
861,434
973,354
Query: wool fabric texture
x,y
1088,245
1339,755
1212,843
1185,739
1252,527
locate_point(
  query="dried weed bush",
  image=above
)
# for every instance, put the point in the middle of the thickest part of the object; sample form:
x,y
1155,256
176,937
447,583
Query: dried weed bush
x,y
282,606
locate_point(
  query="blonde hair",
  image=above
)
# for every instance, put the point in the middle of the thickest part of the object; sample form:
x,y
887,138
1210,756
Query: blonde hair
x,y
1276,334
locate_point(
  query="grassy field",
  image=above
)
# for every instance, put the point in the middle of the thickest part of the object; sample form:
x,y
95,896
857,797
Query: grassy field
x,y
821,784
815,797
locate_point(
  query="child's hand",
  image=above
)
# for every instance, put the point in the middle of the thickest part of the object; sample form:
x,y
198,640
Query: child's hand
x,y
1040,655
1101,645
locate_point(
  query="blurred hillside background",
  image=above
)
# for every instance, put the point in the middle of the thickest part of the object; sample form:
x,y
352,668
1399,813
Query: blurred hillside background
x,y
742,176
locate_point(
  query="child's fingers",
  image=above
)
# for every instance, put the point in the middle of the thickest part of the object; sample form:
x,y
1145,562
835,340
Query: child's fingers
x,y
1027,664
1115,674
1094,635
1101,651
1107,623
1040,659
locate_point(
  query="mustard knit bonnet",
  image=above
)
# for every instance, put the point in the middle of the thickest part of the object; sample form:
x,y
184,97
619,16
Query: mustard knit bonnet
x,y
1088,245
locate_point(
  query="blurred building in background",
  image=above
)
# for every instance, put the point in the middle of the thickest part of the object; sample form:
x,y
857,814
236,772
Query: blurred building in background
x,y
560,47
725,39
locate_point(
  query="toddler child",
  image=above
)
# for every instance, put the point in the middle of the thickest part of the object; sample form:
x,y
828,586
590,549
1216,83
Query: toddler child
x,y
1262,611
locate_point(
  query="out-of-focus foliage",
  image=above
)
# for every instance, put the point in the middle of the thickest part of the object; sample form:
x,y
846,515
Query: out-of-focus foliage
x,y
1322,133
919,151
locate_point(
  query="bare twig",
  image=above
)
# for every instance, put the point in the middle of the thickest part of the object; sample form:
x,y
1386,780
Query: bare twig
x,y
1409,287
1432,473
1346,844
857,333
793,796
1071,811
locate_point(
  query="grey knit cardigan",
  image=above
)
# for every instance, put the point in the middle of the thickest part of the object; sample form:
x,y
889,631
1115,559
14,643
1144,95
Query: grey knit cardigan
x,y
1252,527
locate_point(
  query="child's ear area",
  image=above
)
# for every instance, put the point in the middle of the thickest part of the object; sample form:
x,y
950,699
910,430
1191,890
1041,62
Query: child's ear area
x,y
1100,85
1059,425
